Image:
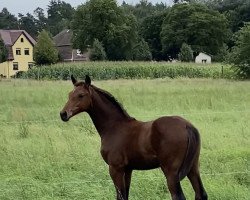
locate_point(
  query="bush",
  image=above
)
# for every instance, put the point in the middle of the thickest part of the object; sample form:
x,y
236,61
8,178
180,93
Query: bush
x,y
97,52
3,52
45,52
239,56
186,53
141,51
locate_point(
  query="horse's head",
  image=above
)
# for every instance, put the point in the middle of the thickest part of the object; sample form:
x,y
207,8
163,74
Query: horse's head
x,y
79,99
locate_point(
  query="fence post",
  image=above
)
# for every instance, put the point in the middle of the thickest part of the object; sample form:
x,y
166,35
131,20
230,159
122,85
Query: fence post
x,y
222,71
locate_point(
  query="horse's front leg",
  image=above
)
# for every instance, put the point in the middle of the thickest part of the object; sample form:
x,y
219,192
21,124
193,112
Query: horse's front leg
x,y
118,177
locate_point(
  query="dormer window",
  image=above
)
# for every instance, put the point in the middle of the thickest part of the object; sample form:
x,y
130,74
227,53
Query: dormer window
x,y
21,39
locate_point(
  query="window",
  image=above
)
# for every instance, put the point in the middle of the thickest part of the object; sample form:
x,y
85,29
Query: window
x,y
30,65
21,39
18,51
15,66
26,52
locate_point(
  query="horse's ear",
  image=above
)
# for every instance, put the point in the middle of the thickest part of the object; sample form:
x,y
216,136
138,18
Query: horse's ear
x,y
87,80
73,79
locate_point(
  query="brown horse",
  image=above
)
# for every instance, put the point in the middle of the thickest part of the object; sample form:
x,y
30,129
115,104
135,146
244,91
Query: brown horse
x,y
127,144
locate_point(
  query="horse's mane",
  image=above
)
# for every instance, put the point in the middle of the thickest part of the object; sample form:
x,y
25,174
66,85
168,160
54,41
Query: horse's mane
x,y
109,97
113,100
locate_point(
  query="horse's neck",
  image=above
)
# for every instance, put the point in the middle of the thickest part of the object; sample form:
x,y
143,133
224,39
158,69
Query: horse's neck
x,y
105,115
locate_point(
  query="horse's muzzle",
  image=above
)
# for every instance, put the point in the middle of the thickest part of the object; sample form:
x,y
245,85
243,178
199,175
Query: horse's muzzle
x,y
64,116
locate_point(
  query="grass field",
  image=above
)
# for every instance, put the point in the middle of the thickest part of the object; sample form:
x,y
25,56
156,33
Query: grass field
x,y
43,158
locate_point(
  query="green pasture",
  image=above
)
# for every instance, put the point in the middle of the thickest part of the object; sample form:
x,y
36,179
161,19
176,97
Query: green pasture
x,y
43,158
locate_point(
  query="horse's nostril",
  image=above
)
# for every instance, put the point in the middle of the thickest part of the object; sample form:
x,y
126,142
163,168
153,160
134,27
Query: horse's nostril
x,y
64,116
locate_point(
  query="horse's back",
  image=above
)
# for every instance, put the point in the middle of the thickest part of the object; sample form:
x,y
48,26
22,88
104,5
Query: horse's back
x,y
173,127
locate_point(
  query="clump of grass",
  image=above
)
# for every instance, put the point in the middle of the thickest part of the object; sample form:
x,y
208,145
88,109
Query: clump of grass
x,y
23,130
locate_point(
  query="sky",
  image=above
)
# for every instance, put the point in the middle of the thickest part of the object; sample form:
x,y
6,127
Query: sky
x,y
25,6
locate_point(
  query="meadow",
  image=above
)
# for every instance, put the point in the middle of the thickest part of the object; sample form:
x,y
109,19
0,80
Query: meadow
x,y
43,158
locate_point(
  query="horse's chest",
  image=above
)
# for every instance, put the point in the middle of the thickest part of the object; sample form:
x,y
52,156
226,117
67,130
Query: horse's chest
x,y
113,157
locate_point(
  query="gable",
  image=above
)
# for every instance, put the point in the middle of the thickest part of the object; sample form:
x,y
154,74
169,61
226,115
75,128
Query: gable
x,y
203,55
22,41
9,37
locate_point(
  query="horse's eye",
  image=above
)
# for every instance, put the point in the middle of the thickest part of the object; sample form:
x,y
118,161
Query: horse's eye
x,y
81,95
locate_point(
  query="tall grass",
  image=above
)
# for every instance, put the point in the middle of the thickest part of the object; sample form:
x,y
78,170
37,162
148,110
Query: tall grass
x,y
129,70
44,158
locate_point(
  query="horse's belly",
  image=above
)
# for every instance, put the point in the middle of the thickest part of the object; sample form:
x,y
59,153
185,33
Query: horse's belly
x,y
143,164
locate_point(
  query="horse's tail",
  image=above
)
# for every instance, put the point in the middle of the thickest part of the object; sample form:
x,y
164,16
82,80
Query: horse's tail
x,y
193,151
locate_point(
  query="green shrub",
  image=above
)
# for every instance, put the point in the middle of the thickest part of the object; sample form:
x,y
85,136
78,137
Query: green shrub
x,y
141,51
97,52
186,53
3,52
239,56
45,52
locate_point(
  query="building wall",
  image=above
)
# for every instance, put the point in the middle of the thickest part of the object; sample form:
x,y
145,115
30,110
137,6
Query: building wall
x,y
202,57
4,68
22,60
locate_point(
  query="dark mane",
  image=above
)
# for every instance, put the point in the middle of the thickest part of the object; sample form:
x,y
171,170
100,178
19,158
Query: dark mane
x,y
113,100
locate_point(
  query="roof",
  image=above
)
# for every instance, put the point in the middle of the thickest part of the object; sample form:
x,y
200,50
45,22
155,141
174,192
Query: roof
x,y
64,45
63,38
203,54
9,38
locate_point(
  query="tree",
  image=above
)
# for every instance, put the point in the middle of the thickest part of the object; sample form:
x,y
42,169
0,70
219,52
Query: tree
x,y
183,1
202,28
237,12
3,52
105,21
239,56
7,20
28,23
45,52
41,20
150,30
60,15
141,51
97,51
143,9
222,54
186,53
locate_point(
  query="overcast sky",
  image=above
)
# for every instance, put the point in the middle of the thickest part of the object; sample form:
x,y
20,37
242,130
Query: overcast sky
x,y
25,6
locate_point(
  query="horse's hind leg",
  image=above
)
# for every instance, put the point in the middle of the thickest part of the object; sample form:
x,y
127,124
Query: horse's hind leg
x,y
174,185
195,179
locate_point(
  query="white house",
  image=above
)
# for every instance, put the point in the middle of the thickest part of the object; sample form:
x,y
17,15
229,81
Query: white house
x,y
203,58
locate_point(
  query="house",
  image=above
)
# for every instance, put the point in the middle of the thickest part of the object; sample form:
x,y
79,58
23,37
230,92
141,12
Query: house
x,y
63,43
203,58
20,46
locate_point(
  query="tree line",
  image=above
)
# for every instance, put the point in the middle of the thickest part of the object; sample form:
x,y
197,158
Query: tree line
x,y
143,31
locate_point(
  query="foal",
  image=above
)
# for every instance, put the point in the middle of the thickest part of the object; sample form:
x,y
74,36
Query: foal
x,y
171,142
